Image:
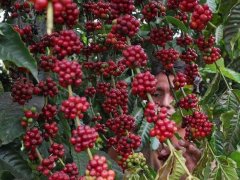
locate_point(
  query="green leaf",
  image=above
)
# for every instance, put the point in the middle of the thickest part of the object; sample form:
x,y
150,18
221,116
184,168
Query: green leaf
x,y
236,157
231,74
10,160
176,22
10,114
154,143
225,169
231,130
81,159
6,175
212,5
144,132
212,88
137,113
13,49
166,169
219,34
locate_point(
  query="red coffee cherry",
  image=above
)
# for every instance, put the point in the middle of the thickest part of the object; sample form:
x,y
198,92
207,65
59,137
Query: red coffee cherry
x,y
71,170
121,124
180,80
200,17
90,91
51,130
160,36
47,63
153,9
29,116
111,68
150,112
188,102
97,168
83,137
126,25
188,5
74,107
191,72
101,10
184,40
103,88
213,56
47,88
167,57
119,7
93,26
126,144
22,91
32,139
189,55
182,16
118,41
69,73
66,44
204,44
197,126
134,56
48,112
59,175
173,4
57,150
47,164
164,129
40,5
144,83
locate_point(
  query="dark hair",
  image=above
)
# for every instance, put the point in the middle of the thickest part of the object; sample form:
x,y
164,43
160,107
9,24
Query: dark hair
x,y
157,67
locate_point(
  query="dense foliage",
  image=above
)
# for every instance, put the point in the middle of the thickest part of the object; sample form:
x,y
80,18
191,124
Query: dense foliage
x,y
76,83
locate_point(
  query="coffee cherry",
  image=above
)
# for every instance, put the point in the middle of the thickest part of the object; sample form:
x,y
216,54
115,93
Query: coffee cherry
x,y
100,128
191,72
204,44
69,73
93,26
118,41
57,150
32,154
101,10
103,88
189,55
144,83
153,9
83,137
74,107
135,161
188,5
22,91
51,130
47,88
40,5
126,144
119,7
184,40
29,116
180,80
47,164
97,117
71,170
59,175
47,62
160,36
66,44
167,57
213,56
173,4
150,112
97,168
200,17
182,16
134,56
111,68
126,25
163,129
65,12
32,139
197,126
90,91
48,112
121,124
188,102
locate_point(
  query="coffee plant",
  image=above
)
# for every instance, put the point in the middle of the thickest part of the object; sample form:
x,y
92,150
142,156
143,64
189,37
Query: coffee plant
x,y
78,92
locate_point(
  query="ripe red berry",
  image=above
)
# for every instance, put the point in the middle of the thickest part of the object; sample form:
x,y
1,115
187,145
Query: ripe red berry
x,y
59,175
69,73
213,56
189,55
167,57
97,168
119,7
83,137
40,5
47,62
204,44
153,9
144,83
188,5
74,107
184,40
47,164
188,102
134,56
51,130
71,170
90,91
47,88
160,36
57,150
48,112
180,80
32,138
192,73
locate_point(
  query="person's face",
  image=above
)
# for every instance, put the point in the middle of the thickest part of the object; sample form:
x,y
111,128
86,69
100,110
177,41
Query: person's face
x,y
163,96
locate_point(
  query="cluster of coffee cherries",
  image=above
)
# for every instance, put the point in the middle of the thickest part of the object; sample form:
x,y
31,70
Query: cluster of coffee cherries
x,y
153,9
160,36
20,8
30,115
135,161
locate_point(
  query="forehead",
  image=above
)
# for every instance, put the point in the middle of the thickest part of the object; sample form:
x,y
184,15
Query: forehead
x,y
162,81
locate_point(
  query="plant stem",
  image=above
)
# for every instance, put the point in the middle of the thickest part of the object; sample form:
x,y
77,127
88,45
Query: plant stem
x,y
61,161
89,153
49,18
113,82
91,107
39,155
150,98
70,92
218,68
77,121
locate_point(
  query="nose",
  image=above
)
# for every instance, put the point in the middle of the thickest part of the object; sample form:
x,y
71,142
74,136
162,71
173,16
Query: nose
x,y
166,101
